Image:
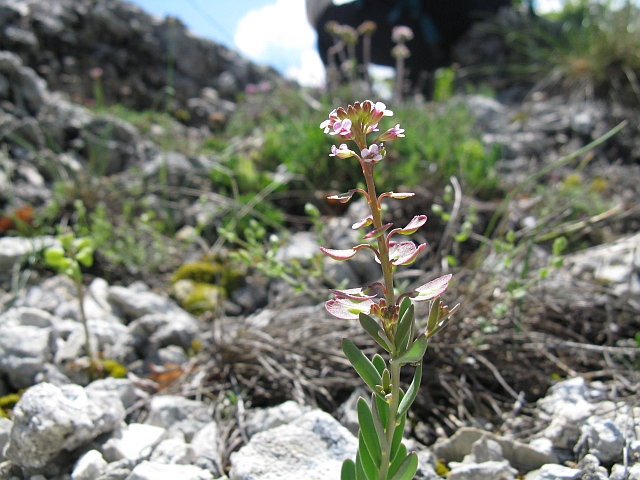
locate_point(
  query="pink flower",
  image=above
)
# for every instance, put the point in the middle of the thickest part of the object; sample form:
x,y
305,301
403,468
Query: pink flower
x,y
392,134
342,152
372,154
379,111
342,128
327,125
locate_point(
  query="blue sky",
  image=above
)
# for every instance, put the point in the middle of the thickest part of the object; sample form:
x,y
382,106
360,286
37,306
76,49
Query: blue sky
x,y
272,32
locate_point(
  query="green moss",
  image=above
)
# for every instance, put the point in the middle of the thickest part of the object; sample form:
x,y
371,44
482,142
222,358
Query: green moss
x,y
7,402
197,298
214,272
113,369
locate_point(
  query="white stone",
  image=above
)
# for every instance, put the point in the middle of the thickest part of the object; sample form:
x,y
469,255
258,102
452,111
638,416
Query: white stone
x,y
132,442
312,447
50,419
261,419
89,466
173,451
553,471
483,471
161,471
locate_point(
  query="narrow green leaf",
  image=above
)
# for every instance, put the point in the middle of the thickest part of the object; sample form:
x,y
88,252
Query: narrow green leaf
x,y
397,460
373,328
369,467
348,471
377,422
404,305
360,474
407,468
379,363
414,353
368,431
404,325
410,396
397,437
383,409
362,364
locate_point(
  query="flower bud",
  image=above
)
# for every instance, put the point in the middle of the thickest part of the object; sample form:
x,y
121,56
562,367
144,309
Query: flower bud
x,y
401,34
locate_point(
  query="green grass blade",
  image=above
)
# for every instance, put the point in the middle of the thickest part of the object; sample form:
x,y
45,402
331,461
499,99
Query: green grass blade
x,y
368,431
397,460
369,467
414,353
373,328
407,468
404,325
412,392
348,471
362,364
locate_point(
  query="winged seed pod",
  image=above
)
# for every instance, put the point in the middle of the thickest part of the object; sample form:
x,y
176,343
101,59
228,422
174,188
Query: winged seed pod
x,y
388,319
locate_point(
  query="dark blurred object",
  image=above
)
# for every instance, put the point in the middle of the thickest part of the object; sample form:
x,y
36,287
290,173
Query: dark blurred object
x,y
436,24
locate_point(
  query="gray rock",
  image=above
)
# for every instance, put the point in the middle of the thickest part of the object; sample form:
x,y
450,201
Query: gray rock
x,y
161,471
483,471
620,472
207,447
16,249
5,430
311,447
136,301
132,442
554,472
261,419
568,399
122,387
23,352
50,419
485,450
519,455
89,466
173,451
167,410
602,439
152,332
591,469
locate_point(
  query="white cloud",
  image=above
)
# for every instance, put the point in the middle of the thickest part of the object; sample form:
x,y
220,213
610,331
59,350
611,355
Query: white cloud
x,y
283,24
309,70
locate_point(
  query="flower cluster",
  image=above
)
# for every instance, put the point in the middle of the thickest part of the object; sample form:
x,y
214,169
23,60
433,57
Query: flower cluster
x,y
355,123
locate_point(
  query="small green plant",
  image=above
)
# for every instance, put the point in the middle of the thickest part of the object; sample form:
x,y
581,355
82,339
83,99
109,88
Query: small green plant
x,y
67,259
381,454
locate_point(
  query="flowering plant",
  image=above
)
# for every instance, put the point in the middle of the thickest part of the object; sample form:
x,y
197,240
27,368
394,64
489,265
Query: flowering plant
x,y
390,319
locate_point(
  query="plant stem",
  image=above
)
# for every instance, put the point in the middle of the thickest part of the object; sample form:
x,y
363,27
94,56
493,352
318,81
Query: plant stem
x,y
387,271
87,339
391,421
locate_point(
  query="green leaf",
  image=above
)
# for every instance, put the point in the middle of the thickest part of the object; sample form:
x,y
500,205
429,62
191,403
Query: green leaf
x,y
369,467
379,363
407,468
404,325
414,353
368,431
377,422
362,364
373,328
54,256
410,396
82,243
85,256
397,459
397,438
360,474
406,302
383,409
348,471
